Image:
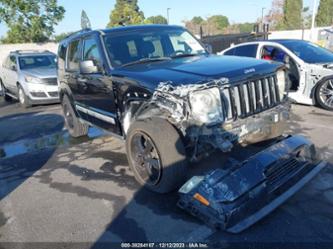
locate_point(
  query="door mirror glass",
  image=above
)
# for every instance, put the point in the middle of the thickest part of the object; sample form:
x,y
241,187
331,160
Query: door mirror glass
x,y
88,67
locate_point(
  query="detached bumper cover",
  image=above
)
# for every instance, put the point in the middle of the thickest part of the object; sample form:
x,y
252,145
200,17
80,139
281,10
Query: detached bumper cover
x,y
236,198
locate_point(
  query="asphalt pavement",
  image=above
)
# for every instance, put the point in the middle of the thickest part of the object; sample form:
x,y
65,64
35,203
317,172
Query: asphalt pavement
x,y
81,192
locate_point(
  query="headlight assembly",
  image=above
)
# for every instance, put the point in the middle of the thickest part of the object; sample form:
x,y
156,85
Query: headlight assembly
x,y
30,79
206,106
191,184
281,81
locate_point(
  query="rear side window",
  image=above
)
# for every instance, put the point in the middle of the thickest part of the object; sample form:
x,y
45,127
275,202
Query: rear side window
x,y
73,56
230,52
247,50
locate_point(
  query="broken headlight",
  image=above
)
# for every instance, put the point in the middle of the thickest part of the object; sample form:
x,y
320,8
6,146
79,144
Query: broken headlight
x,y
206,106
191,184
281,81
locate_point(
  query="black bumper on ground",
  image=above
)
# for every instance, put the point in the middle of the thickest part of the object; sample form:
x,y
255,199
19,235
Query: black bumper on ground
x,y
238,197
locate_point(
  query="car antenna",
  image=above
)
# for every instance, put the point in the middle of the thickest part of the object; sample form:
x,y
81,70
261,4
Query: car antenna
x,y
85,22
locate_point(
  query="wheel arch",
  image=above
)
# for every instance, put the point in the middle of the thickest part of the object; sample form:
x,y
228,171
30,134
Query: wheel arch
x,y
65,90
316,87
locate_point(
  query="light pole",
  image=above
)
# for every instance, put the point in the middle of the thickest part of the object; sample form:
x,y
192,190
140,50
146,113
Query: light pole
x,y
262,18
168,16
313,19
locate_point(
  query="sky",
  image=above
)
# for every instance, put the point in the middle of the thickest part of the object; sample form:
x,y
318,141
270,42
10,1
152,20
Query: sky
x,y
99,10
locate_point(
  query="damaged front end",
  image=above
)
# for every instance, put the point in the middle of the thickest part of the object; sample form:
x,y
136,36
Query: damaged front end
x,y
233,199
218,115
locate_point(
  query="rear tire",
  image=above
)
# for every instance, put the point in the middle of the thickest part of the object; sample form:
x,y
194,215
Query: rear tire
x,y
6,97
75,127
156,155
324,94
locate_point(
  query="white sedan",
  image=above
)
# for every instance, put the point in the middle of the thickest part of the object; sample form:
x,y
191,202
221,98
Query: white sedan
x,y
310,67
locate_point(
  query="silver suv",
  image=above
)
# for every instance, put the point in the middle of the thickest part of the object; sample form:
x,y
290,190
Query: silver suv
x,y
30,77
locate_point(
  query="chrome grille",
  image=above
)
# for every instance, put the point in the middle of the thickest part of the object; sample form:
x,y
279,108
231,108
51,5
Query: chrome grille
x,y
248,98
276,173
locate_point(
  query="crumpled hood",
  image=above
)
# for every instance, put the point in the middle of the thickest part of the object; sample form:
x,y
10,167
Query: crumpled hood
x,y
41,72
197,69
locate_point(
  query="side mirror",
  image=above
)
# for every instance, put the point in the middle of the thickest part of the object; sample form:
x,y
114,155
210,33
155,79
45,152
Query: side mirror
x,y
88,67
13,67
209,48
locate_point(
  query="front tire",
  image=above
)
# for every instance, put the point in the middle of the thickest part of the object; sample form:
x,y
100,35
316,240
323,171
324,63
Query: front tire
x,y
23,98
156,155
75,127
324,94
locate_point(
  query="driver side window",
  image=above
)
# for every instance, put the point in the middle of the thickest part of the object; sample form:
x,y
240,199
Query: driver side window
x,y
91,52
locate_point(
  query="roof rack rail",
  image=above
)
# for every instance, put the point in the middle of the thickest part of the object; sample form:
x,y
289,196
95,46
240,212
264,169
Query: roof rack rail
x,y
22,51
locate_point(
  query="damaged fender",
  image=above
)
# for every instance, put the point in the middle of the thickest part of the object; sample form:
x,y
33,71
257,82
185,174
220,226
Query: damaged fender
x,y
235,199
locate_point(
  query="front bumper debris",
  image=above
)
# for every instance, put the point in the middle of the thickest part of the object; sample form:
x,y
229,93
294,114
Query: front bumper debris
x,y
236,198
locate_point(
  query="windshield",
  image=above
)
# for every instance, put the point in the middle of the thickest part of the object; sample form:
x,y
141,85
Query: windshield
x,y
128,47
309,52
37,61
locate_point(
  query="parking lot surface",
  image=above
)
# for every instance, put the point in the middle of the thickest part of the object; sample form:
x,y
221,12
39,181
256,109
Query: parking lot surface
x,y
57,189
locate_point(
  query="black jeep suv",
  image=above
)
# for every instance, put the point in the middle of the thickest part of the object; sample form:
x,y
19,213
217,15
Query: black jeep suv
x,y
158,88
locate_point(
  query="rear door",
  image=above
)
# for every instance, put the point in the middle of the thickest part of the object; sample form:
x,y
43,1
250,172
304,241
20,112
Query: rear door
x,y
72,73
9,72
96,96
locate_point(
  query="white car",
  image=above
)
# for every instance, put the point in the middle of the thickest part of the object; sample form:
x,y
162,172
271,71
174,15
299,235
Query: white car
x,y
310,67
30,77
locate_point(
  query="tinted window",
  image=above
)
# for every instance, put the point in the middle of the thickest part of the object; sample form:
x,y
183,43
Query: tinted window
x,y
73,56
246,51
91,52
309,52
9,62
45,61
230,52
62,52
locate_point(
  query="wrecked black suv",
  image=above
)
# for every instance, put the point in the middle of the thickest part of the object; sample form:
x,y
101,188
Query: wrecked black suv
x,y
157,87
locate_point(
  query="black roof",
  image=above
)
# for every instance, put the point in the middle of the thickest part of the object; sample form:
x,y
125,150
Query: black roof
x,y
122,29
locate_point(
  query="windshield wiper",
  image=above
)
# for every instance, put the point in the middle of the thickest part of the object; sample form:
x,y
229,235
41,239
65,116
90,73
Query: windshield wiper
x,y
183,55
145,60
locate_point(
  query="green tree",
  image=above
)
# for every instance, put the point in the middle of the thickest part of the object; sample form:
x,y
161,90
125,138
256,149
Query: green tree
x,y
197,20
325,13
157,20
219,21
30,20
246,27
292,14
126,12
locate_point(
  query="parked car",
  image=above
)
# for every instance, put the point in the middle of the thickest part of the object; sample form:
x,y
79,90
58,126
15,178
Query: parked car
x,y
310,67
156,87
30,77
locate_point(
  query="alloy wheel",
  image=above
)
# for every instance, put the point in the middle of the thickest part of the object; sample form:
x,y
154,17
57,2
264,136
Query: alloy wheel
x,y
21,96
145,158
68,116
326,93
